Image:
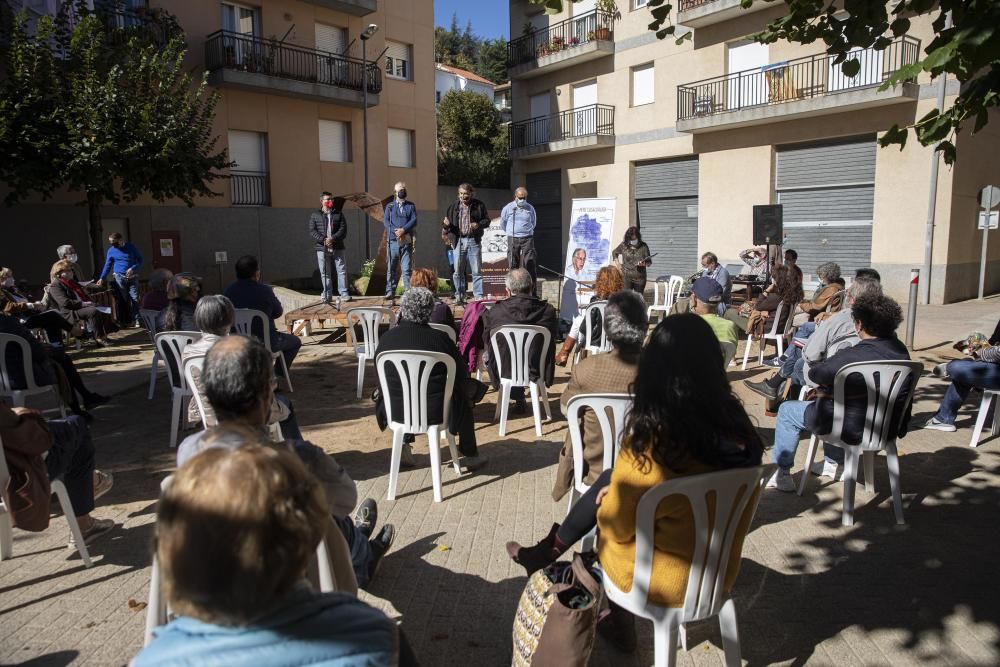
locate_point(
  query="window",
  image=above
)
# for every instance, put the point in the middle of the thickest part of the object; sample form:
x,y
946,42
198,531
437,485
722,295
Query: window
x,y
334,141
642,85
638,4
397,60
400,148
437,96
241,19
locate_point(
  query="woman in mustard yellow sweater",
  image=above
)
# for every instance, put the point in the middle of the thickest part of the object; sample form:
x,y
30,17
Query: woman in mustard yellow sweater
x,y
685,420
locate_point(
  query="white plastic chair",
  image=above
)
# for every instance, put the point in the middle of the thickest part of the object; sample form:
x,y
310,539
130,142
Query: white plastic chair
x,y
17,396
370,320
984,408
192,369
7,523
735,492
447,329
589,343
254,323
882,421
610,411
413,368
728,352
665,295
779,337
149,318
519,339
171,346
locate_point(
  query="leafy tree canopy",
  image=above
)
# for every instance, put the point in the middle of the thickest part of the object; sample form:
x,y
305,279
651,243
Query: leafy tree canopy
x,y
463,48
472,142
966,45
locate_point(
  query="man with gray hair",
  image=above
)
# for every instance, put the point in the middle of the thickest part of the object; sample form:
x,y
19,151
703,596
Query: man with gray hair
x,y
400,221
518,221
522,307
625,324
414,333
68,252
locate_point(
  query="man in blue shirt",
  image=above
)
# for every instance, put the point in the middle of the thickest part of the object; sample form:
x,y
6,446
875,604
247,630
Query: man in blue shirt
x,y
122,262
518,222
712,269
400,222
249,292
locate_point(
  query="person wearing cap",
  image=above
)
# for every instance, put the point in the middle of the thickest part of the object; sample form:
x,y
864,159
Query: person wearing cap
x,y
705,297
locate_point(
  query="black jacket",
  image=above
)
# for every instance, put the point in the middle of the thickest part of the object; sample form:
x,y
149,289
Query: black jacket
x,y
477,214
523,309
338,225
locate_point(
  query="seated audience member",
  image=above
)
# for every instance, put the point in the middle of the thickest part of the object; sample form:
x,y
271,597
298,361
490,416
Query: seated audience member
x,y
609,280
50,366
32,314
214,316
712,269
251,605
833,334
756,260
685,420
760,319
428,279
74,304
68,253
614,372
26,436
183,294
980,370
412,333
791,261
156,298
521,307
238,378
704,300
876,317
828,291
249,292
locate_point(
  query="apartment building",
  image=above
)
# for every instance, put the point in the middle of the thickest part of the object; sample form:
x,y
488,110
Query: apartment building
x,y
448,78
689,137
291,75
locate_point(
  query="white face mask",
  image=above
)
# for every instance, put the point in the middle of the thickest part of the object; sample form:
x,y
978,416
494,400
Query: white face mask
x,y
73,258
521,201
634,242
9,282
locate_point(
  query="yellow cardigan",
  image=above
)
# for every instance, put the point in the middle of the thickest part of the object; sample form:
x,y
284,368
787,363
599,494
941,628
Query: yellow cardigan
x,y
674,534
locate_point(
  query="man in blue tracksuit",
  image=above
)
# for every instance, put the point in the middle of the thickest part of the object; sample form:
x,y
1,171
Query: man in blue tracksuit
x,y
518,222
122,262
400,223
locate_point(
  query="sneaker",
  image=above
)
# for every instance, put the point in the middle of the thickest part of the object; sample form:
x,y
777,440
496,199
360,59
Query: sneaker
x,y
782,481
474,463
762,388
936,424
366,517
827,468
774,362
103,481
97,528
379,546
347,298
941,370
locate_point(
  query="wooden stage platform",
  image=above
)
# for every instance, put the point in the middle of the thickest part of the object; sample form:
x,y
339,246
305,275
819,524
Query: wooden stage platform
x,y
321,315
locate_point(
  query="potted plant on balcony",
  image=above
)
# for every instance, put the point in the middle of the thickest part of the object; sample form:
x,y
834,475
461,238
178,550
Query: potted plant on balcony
x,y
558,44
607,14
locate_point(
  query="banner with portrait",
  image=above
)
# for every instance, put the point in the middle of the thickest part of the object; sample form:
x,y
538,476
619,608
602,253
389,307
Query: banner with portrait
x,y
587,250
495,266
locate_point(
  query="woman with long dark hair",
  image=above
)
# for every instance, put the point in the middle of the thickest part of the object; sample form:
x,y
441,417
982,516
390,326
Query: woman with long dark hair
x,y
684,420
632,257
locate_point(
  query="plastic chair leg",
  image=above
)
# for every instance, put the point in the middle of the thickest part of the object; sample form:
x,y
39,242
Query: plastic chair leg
x,y
544,392
284,368
156,612
62,406
361,373
504,405
869,458
175,418
810,457
746,352
984,407
996,421
397,453
535,408
152,375
450,437
850,482
892,462
664,644
434,448
730,634
74,527
6,536
780,342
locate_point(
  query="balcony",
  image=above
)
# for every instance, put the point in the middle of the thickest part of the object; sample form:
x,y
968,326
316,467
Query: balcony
x,y
352,7
577,40
268,66
249,188
120,25
810,86
570,131
700,13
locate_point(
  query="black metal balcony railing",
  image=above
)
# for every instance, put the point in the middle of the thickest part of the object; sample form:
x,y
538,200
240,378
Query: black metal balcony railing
x,y
595,25
250,188
685,5
811,76
595,119
231,50
122,24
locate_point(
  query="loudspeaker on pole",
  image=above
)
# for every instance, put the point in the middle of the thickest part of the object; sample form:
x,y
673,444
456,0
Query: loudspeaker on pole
x,y
767,224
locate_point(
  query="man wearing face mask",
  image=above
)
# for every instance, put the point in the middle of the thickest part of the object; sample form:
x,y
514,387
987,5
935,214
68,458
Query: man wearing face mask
x,y
400,223
122,262
464,223
518,222
68,253
328,229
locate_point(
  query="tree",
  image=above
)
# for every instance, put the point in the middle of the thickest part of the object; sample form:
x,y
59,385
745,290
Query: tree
x,y
966,45
104,111
468,51
472,142
491,63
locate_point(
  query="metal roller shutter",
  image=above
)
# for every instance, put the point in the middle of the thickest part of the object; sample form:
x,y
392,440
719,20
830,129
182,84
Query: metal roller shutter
x,y
545,194
828,193
666,199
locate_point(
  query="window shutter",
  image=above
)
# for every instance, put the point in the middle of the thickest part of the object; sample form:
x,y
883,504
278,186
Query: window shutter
x,y
397,59
247,150
400,147
334,141
642,85
331,39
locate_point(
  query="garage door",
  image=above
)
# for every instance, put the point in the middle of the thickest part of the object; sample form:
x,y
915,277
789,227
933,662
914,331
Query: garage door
x,y
828,193
545,194
666,201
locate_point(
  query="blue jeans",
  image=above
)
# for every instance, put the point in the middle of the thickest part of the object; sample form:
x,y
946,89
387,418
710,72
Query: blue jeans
x,y
127,294
966,374
327,262
468,255
287,344
400,259
794,352
361,552
787,431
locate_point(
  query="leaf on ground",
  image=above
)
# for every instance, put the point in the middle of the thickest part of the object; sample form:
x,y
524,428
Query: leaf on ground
x,y
136,606
442,547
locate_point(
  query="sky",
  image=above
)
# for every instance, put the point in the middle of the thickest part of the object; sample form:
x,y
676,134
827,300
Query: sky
x,y
490,18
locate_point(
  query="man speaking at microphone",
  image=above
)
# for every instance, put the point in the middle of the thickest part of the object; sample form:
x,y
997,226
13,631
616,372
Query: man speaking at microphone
x,y
329,229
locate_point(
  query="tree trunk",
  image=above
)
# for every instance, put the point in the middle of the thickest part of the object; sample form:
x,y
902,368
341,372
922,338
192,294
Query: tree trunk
x,y
96,231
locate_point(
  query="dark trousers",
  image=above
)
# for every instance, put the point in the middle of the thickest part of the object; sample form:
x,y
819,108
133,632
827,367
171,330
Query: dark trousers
x,y
71,459
69,370
287,344
53,323
464,421
521,255
636,284
583,517
361,553
102,323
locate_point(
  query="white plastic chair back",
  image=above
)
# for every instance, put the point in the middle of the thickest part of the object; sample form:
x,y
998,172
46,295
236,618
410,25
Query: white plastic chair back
x,y
610,410
149,318
665,295
250,322
984,407
589,342
519,339
728,352
171,346
370,319
735,492
30,388
447,329
771,334
192,369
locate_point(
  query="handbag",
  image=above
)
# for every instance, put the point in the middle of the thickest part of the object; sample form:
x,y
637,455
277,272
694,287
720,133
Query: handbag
x,y
556,619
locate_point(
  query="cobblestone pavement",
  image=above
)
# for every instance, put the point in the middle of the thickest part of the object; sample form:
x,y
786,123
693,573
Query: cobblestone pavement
x,y
809,592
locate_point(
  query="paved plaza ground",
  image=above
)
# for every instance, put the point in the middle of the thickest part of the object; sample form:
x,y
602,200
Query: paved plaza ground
x,y
809,591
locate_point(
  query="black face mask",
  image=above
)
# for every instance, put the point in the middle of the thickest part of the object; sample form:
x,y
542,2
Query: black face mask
x,y
401,194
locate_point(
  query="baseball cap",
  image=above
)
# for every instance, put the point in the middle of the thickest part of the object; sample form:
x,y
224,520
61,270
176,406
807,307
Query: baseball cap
x,y
707,289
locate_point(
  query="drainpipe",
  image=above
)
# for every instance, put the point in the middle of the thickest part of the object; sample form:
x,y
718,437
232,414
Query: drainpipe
x,y
925,297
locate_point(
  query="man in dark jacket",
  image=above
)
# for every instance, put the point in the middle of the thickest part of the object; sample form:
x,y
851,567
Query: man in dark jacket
x,y
328,228
249,292
876,317
464,223
522,307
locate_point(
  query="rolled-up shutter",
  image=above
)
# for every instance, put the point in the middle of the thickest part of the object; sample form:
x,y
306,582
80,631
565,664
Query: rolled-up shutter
x,y
545,194
331,39
334,141
400,147
666,199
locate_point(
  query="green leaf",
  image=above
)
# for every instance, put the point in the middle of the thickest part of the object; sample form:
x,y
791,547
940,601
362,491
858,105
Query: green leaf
x,y
851,67
948,152
894,135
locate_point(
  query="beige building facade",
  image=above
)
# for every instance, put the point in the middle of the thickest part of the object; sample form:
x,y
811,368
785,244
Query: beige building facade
x,y
688,138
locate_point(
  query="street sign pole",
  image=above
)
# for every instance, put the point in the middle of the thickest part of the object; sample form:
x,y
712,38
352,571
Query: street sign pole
x,y
988,197
911,307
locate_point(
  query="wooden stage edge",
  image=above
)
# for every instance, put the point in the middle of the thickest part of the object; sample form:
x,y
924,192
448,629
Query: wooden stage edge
x,y
316,315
